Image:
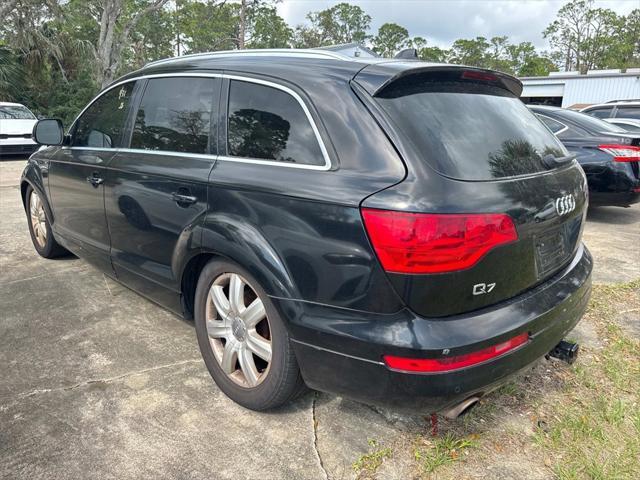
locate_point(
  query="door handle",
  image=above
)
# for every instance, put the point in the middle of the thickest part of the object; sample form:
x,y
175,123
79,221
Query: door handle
x,y
183,199
95,180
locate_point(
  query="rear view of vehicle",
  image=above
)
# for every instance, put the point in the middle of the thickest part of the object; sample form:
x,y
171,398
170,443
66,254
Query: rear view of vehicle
x,y
608,154
16,124
481,241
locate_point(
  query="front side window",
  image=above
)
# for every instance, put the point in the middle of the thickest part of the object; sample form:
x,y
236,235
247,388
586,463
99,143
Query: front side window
x,y
102,124
175,115
266,123
16,112
600,112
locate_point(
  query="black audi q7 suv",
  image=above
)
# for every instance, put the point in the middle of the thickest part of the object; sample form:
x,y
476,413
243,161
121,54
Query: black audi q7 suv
x,y
404,233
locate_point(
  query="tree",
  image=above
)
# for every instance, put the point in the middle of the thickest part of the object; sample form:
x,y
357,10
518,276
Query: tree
x,y
342,23
526,62
427,53
470,51
116,24
206,26
390,39
583,35
267,29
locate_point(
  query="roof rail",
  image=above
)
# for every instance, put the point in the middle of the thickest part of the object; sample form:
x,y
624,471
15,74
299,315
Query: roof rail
x,y
293,52
626,100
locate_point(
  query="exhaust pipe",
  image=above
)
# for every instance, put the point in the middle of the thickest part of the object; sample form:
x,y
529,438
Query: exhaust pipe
x,y
461,408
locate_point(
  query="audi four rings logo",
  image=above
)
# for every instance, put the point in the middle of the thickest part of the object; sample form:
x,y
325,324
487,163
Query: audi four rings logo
x,y
565,204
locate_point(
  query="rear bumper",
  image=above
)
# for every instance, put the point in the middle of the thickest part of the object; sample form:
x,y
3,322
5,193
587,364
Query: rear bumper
x,y
340,351
615,199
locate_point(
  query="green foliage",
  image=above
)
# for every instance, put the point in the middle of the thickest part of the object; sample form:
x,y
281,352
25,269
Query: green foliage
x,y
390,39
432,454
268,29
342,23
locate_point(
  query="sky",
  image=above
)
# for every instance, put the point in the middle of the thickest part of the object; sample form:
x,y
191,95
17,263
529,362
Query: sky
x,y
443,21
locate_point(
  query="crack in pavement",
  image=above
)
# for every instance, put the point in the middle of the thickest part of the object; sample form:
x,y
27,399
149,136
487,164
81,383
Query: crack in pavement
x,y
315,434
85,383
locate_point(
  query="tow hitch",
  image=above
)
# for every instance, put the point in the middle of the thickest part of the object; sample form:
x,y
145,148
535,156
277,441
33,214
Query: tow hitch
x,y
565,351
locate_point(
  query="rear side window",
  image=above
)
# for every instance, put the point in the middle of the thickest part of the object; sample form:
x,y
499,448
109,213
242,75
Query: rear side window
x,y
628,112
469,131
600,112
175,115
102,124
267,123
553,125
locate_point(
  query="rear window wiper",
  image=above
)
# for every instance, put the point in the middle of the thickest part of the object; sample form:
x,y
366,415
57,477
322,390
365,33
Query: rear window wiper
x,y
551,161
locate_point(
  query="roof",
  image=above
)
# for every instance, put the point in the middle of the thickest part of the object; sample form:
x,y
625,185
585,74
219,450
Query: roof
x,y
306,68
617,103
11,104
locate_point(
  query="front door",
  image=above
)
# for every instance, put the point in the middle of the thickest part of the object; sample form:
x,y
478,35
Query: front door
x,y
156,190
77,174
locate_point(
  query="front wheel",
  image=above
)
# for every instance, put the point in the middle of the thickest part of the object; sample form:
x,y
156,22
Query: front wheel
x,y
40,227
243,341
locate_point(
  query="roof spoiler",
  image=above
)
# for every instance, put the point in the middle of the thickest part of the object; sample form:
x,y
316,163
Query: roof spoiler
x,y
376,77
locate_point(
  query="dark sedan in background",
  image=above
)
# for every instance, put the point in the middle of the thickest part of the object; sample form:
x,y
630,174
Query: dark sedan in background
x,y
609,155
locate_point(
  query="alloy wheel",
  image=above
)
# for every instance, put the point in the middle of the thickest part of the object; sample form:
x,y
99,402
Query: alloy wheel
x,y
238,330
38,219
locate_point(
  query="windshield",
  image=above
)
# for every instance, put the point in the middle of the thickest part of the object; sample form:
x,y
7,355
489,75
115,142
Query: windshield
x,y
470,131
590,123
16,112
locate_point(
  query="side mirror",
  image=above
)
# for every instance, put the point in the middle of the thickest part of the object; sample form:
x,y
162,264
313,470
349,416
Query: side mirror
x,y
48,132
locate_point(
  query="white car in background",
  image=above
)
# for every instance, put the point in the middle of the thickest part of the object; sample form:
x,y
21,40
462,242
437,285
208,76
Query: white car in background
x,y
629,124
16,124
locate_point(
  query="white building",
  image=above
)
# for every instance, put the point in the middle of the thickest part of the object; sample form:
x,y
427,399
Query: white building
x,y
567,89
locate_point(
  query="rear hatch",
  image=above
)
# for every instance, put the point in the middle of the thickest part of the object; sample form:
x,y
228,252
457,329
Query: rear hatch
x,y
492,204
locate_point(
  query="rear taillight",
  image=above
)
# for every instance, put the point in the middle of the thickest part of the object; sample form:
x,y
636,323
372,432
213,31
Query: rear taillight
x,y
435,243
622,153
456,362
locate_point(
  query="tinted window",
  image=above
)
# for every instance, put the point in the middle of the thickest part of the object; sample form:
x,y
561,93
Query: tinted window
x,y
16,112
175,115
600,112
628,112
269,124
589,123
466,130
554,126
102,124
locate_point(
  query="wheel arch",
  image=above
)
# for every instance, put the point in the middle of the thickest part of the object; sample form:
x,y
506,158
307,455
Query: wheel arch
x,y
233,239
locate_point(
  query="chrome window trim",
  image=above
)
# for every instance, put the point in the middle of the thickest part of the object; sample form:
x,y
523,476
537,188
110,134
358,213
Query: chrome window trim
x,y
225,158
563,129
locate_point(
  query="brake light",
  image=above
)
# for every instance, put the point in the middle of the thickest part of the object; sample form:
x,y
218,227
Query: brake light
x,y
622,153
435,243
448,364
476,75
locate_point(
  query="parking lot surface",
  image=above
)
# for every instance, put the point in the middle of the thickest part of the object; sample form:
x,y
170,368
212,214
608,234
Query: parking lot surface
x,y
97,382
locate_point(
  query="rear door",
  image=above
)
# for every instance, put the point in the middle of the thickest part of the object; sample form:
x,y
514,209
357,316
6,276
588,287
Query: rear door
x,y
494,208
156,188
77,174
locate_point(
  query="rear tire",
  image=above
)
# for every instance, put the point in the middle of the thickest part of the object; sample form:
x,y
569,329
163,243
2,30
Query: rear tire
x,y
244,342
40,226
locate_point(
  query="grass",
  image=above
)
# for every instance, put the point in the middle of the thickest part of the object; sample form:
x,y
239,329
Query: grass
x,y
367,465
567,422
431,454
595,431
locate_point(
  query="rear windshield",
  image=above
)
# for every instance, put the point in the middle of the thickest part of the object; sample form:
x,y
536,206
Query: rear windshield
x,y
15,112
589,123
467,130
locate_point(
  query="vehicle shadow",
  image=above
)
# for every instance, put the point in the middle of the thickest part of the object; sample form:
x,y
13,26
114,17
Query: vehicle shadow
x,y
613,215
